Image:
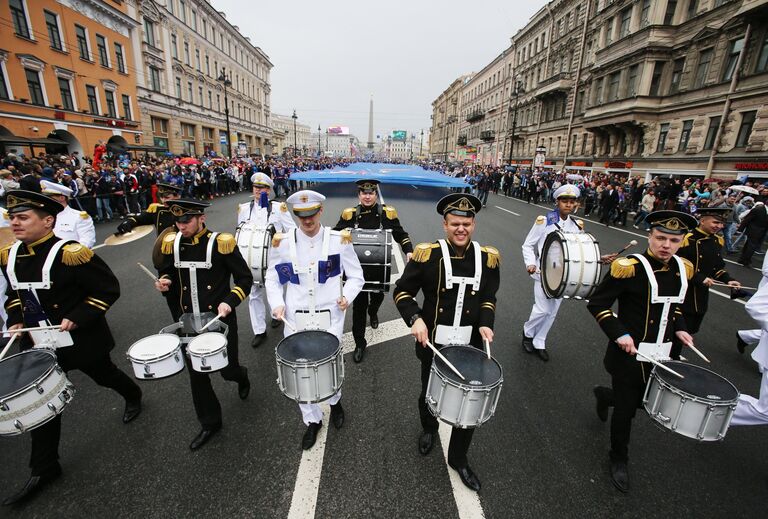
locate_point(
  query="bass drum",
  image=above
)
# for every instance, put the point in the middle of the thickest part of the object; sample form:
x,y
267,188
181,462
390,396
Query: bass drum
x,y
374,250
254,244
570,265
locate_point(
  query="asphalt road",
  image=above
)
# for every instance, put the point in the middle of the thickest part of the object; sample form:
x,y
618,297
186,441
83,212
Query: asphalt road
x,y
544,454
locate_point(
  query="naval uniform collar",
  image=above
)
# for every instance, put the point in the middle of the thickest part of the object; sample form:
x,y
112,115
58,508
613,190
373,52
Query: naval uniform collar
x,y
657,263
196,238
454,251
31,246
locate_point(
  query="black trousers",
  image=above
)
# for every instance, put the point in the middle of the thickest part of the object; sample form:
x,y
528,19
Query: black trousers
x,y
460,438
754,241
365,304
207,406
45,439
693,323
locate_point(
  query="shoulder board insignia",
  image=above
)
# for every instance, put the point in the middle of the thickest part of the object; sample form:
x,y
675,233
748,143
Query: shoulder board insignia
x,y
4,255
494,258
390,211
346,237
6,216
540,219
348,213
277,238
167,246
423,251
75,254
283,207
580,223
623,268
686,239
226,243
689,269
153,208
84,215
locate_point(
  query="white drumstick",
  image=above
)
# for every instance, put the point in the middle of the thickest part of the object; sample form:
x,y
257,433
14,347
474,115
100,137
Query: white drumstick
x,y
201,330
487,348
630,244
287,324
659,364
34,328
721,284
98,246
697,352
447,362
149,272
8,346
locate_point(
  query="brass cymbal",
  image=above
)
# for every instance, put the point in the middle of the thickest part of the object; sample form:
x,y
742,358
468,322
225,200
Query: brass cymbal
x,y
135,234
6,237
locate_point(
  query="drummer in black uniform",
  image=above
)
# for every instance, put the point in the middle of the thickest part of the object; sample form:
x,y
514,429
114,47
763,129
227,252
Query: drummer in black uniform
x,y
82,288
703,248
369,214
638,325
435,321
213,295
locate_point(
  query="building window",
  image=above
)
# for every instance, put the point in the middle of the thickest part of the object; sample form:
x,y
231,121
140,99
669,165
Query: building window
x,y
35,87
159,126
82,42
111,109
174,47
194,20
197,60
734,49
65,89
19,15
702,70
599,92
207,65
154,78
210,100
127,107
613,86
685,135
609,31
178,87
663,132
149,31
658,69
714,124
745,129
645,13
189,92
120,58
762,60
677,74
187,59
218,103
183,11
93,100
4,93
172,7
54,35
200,95
693,6
669,15
205,29
632,80
101,47
626,18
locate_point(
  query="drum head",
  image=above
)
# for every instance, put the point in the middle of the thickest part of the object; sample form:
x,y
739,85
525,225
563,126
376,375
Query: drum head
x,y
477,368
154,346
207,342
553,259
699,382
307,346
21,370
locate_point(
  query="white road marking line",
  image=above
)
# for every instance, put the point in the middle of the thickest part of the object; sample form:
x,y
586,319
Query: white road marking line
x,y
507,210
386,331
467,501
304,500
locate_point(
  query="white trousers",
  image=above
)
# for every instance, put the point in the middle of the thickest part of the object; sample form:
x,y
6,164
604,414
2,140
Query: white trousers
x,y
257,307
542,316
751,410
751,337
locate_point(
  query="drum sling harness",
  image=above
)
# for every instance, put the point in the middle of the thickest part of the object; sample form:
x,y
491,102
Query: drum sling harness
x,y
457,334
357,216
193,266
313,317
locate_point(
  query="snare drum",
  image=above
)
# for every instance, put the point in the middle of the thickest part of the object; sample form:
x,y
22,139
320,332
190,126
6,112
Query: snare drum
x,y
156,356
310,366
374,250
254,244
570,265
208,352
464,403
699,406
33,390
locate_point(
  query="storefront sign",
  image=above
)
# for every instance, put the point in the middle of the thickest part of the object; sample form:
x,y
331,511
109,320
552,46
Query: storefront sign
x,y
752,166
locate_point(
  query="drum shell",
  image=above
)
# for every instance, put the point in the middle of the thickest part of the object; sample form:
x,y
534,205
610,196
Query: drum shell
x,y
162,366
582,266
209,361
461,405
312,381
373,248
42,401
691,416
254,244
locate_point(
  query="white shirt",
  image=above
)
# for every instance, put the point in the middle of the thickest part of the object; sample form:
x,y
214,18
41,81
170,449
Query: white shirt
x,y
539,232
75,225
251,212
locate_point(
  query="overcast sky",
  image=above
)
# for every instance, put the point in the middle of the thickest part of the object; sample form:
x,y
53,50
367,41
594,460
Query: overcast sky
x,y
329,56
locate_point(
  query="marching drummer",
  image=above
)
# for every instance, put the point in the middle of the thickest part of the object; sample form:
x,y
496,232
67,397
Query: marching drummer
x,y
206,262
650,289
304,287
70,224
369,214
459,308
262,212
60,282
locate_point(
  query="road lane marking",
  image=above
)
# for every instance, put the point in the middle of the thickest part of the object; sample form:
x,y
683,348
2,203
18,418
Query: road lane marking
x,y
304,500
467,501
386,331
507,210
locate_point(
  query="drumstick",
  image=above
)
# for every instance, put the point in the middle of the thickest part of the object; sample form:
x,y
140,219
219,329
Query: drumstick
x,y
721,284
697,352
659,364
210,323
149,272
447,362
34,328
487,348
282,318
8,346
628,245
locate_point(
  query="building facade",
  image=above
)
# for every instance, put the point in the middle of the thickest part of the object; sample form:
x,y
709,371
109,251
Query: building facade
x,y
194,67
444,131
283,136
67,76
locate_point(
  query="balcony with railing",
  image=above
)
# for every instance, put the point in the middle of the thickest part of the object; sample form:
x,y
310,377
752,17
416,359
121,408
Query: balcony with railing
x,y
560,82
462,140
487,135
475,115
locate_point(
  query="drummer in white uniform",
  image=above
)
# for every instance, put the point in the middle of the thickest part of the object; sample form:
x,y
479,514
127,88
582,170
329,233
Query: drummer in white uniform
x,y
262,212
304,287
70,224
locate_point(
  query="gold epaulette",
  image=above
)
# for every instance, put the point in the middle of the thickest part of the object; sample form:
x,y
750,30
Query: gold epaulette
x,y
346,237
167,246
494,258
623,268
540,219
390,211
153,208
226,243
283,207
423,251
720,240
6,215
4,255
686,240
75,254
277,238
689,270
348,213
580,223
84,215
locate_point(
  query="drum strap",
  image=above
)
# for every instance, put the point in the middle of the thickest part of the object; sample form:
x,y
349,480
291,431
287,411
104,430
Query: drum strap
x,y
192,266
357,215
667,301
45,281
454,334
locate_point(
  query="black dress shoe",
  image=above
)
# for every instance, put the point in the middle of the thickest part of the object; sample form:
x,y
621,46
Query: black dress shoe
x,y
620,475
310,435
337,415
740,344
202,437
275,323
543,355
33,485
602,403
374,321
359,353
132,410
468,477
426,442
528,344
244,386
258,339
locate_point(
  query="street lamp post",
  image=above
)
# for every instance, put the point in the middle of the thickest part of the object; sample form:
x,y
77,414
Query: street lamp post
x,y
318,140
227,83
517,91
295,143
421,143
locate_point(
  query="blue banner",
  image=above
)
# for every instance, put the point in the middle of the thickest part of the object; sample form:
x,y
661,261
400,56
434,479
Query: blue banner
x,y
384,173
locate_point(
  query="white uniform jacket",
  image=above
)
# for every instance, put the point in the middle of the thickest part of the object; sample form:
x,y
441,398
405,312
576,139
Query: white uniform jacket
x,y
277,214
75,225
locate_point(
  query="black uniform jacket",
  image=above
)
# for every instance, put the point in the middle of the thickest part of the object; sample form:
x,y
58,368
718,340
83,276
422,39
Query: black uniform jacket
x,y
157,215
212,284
374,218
704,251
426,272
82,289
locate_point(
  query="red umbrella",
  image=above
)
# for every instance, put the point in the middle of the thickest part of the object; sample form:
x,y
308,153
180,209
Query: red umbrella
x,y
188,161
